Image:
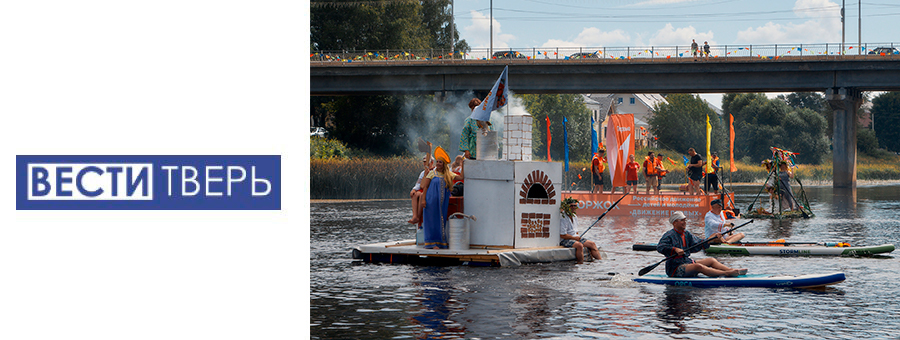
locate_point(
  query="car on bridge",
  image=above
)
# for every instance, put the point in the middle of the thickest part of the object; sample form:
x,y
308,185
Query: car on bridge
x,y
585,55
508,55
884,51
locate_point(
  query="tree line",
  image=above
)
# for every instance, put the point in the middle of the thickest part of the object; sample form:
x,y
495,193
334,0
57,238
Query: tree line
x,y
378,125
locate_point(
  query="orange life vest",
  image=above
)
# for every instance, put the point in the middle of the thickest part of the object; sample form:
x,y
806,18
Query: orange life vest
x,y
658,163
649,166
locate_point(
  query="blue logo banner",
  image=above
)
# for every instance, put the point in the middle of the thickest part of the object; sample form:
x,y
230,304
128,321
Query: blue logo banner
x,y
148,182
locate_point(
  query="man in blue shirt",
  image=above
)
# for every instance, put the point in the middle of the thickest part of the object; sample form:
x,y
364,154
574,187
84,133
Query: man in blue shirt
x,y
678,241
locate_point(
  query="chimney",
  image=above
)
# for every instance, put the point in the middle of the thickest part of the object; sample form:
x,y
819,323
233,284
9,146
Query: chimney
x,y
517,138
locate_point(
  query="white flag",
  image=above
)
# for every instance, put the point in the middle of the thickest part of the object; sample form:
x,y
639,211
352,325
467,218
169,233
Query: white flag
x,y
497,98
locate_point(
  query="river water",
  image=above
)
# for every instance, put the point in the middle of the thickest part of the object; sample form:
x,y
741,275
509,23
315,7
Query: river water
x,y
350,300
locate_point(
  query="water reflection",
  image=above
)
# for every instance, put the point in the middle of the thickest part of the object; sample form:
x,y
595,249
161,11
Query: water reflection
x,y
779,229
437,304
535,310
679,303
844,203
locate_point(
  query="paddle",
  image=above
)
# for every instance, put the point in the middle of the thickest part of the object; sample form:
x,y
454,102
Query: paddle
x,y
653,266
800,206
601,216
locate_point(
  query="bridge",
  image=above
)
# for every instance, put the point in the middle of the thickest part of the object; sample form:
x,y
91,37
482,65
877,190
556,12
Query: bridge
x,y
842,78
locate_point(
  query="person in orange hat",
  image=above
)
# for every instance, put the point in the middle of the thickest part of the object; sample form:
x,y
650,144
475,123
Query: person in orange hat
x,y
437,200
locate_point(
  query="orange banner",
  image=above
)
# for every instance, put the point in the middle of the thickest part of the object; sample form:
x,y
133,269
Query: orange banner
x,y
620,144
731,147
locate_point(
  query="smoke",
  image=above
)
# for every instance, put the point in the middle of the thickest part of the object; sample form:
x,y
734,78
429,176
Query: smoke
x,y
442,123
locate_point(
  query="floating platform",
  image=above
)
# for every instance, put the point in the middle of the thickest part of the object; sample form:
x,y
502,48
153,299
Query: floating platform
x,y
662,205
408,252
790,214
753,280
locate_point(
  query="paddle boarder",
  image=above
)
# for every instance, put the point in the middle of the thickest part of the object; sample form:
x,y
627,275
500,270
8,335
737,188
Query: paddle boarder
x,y
675,241
715,223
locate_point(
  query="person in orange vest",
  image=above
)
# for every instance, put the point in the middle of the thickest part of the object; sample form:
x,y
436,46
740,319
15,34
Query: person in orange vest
x,y
660,171
650,172
597,171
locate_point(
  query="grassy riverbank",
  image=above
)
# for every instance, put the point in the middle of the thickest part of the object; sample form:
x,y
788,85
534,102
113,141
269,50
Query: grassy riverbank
x,y
377,178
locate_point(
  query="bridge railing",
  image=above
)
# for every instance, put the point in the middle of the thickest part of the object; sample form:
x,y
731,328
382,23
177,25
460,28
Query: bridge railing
x,y
616,54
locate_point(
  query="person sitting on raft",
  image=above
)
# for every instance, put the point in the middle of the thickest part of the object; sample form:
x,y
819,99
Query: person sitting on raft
x,y
715,223
437,200
677,242
417,194
568,231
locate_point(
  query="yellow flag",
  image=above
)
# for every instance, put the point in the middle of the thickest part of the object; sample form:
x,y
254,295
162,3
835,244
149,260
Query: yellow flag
x,y
709,168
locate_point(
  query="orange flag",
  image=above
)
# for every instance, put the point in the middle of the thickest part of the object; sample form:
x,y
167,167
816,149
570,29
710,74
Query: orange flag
x,y
731,147
548,139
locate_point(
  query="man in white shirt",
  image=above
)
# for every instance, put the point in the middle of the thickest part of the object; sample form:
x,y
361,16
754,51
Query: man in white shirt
x,y
568,231
715,223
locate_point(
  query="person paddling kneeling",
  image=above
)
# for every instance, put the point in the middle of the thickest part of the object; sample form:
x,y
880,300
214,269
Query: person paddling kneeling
x,y
675,241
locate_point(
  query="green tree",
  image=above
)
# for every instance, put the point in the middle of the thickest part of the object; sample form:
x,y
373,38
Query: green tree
x,y
372,25
350,25
805,100
367,122
557,106
886,114
437,17
807,135
866,142
814,101
680,124
761,123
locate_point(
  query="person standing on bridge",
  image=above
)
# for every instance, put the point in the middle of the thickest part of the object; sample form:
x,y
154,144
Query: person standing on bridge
x,y
706,49
468,137
694,48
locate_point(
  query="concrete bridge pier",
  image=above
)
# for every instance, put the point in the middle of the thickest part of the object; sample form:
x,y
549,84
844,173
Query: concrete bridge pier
x,y
845,102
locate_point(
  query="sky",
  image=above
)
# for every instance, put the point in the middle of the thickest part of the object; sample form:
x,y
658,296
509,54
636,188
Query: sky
x,y
526,24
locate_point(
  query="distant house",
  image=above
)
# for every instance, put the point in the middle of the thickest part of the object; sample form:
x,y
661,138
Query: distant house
x,y
639,104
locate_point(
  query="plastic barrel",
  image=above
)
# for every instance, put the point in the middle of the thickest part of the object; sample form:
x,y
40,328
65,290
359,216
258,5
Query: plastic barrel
x,y
458,233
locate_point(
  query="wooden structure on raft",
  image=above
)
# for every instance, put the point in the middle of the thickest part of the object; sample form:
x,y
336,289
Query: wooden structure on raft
x,y
779,207
515,203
